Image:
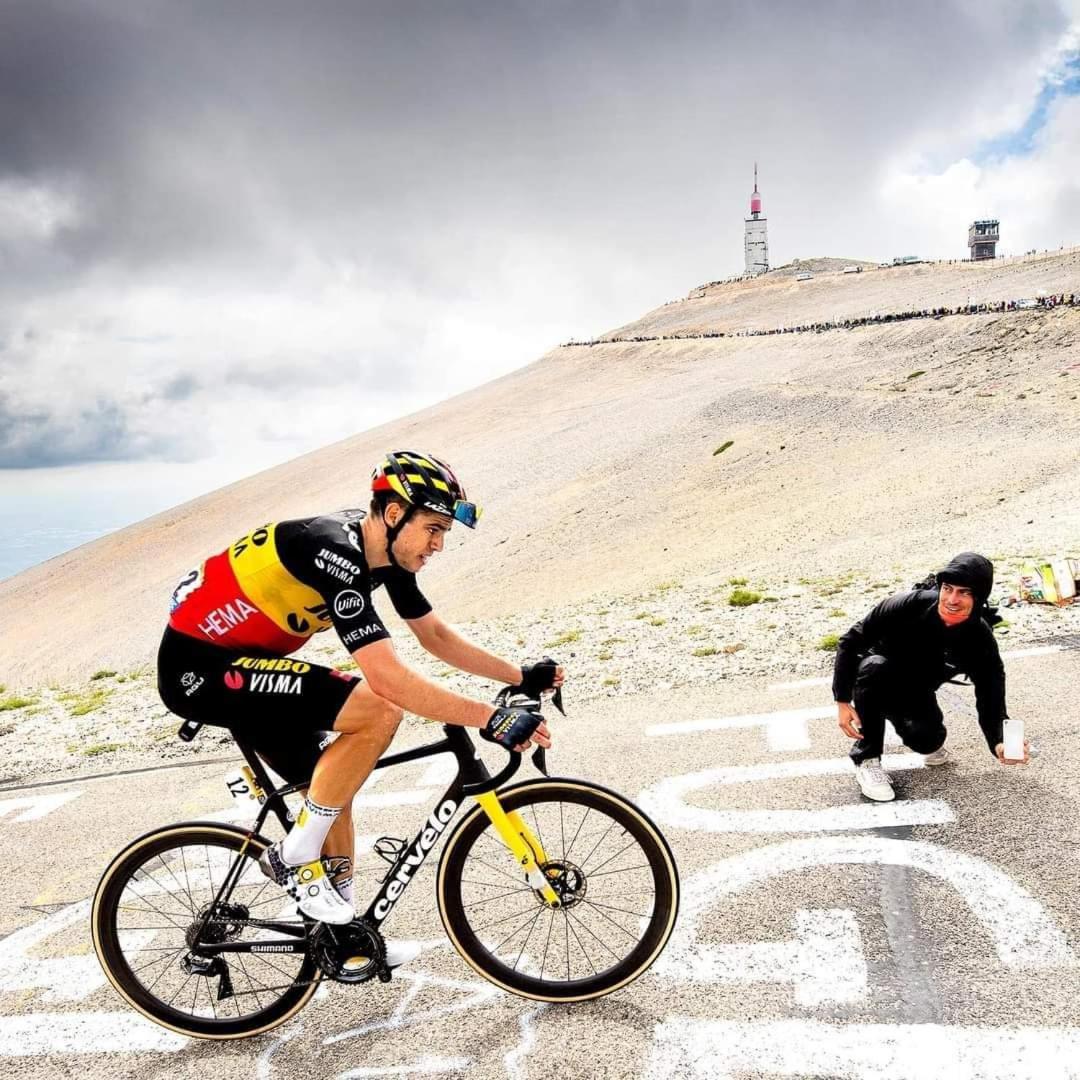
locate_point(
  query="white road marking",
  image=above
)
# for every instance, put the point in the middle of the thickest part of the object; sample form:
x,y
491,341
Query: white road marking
x,y
35,807
516,1060
784,730
719,1050
84,1033
67,978
1024,935
666,801
824,962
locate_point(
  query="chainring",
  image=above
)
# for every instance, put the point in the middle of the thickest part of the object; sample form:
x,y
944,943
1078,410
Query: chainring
x,y
349,954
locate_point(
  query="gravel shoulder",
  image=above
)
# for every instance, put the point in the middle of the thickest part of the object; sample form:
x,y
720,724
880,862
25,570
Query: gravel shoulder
x,y
674,636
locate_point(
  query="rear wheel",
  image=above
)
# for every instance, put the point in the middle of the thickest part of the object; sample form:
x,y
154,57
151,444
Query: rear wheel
x,y
616,878
158,901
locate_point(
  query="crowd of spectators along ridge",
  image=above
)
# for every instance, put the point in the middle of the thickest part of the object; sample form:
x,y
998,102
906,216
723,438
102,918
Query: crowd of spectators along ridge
x,y
849,323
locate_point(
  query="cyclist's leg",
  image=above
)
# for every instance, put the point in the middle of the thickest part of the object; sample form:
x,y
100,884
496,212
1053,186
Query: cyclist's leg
x,y
367,724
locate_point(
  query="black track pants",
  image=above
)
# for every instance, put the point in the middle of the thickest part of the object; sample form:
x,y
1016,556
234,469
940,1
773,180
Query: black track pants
x,y
883,692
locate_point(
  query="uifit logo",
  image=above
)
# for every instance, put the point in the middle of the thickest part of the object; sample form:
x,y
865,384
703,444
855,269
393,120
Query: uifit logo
x,y
234,680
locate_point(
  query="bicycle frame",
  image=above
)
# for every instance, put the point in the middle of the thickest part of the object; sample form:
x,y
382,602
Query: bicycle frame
x,y
473,780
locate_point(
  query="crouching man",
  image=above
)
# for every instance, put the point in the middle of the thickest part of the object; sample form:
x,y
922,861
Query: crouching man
x,y
890,665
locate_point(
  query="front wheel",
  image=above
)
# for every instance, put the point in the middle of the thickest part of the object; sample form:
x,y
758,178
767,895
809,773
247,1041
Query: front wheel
x,y
612,868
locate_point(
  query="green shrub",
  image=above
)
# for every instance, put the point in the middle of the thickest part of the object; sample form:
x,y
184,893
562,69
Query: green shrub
x,y
836,613
102,748
916,374
723,446
9,704
829,643
103,674
610,682
656,620
743,598
736,581
706,650
606,654
567,637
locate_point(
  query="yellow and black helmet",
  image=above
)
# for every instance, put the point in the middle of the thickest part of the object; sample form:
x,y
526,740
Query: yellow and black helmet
x,y
425,483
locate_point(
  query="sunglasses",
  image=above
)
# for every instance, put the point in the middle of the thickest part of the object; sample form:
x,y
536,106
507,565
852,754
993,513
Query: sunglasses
x,y
467,513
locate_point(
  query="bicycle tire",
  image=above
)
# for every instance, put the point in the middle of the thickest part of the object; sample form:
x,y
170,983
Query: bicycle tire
x,y
107,929
453,905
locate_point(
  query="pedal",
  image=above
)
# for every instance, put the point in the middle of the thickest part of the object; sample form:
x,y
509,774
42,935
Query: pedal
x,y
390,849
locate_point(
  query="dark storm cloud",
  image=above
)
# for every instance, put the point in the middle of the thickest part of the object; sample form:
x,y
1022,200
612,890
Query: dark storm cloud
x,y
220,163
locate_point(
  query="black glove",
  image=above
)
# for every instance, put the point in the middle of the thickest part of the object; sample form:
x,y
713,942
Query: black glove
x,y
511,727
538,677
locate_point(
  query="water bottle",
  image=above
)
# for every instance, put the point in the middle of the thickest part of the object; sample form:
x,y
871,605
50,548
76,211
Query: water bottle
x,y
1014,740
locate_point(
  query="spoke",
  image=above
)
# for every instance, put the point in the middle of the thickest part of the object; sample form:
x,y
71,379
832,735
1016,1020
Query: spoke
x,y
611,907
505,918
494,885
517,929
562,827
177,994
598,843
539,834
195,997
488,900
532,927
187,880
547,944
148,910
569,926
191,910
613,922
270,963
161,975
585,927
157,910
633,841
251,983
516,881
209,875
566,853
627,870
153,963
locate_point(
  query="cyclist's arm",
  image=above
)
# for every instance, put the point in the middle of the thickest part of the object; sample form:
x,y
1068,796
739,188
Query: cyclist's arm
x,y
442,640
391,679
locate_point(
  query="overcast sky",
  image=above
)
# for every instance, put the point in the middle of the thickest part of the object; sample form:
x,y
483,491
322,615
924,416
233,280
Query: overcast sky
x,y
233,232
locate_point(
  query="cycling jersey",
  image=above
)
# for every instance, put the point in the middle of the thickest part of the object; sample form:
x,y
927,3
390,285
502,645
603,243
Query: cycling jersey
x,y
274,588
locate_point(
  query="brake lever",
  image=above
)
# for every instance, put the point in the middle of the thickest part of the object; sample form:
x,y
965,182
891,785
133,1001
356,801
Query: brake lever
x,y
539,760
556,700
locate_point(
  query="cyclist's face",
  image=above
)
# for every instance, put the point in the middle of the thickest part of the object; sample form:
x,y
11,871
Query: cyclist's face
x,y
955,600
422,537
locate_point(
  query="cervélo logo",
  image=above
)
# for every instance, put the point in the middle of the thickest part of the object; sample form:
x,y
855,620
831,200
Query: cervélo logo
x,y
427,839
348,604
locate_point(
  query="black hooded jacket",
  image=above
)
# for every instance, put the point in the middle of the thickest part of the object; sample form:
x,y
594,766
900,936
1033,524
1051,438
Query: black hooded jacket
x,y
907,630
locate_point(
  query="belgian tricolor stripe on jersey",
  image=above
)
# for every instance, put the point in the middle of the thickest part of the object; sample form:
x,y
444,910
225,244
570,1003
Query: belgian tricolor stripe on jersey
x,y
248,600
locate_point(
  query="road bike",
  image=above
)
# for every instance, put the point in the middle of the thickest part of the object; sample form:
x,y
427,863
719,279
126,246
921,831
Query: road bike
x,y
554,889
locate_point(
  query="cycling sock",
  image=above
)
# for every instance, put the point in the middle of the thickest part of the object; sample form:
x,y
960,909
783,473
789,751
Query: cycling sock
x,y
344,888
304,842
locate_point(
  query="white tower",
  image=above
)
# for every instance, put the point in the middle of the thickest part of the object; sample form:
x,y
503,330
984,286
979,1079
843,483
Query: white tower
x,y
757,239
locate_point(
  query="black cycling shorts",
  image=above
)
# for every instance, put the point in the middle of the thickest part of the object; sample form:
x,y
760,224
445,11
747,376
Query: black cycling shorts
x,y
284,708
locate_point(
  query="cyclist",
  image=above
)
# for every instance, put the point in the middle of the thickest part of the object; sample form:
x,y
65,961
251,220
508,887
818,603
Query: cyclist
x,y
891,663
235,621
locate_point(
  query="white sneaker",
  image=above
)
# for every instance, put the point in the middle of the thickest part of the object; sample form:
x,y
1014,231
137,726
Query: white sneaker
x,y
874,781
938,757
309,886
397,953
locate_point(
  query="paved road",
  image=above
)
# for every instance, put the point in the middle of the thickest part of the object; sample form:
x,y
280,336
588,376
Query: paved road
x,y
820,935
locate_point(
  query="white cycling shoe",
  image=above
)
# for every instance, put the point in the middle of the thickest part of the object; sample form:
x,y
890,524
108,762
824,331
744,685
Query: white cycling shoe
x,y
309,886
938,757
874,780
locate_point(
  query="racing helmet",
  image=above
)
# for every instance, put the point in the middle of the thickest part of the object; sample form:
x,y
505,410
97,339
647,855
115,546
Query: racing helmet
x,y
425,483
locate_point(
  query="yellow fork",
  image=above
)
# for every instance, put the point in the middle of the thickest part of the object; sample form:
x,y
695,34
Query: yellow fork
x,y
522,842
